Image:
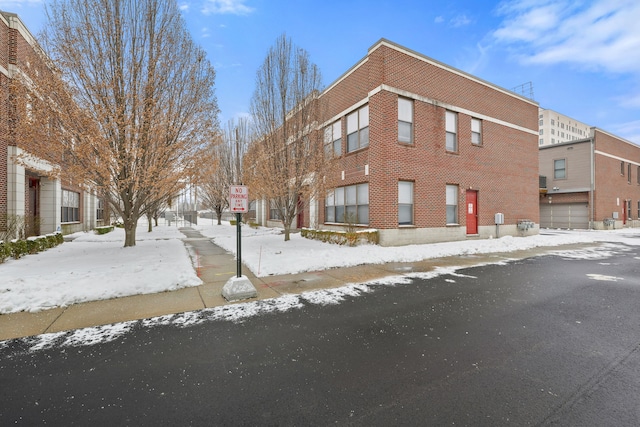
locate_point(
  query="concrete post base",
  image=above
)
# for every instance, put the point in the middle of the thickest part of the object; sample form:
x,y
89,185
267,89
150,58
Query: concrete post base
x,y
239,288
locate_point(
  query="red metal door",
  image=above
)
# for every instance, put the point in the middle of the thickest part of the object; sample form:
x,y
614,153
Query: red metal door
x,y
472,212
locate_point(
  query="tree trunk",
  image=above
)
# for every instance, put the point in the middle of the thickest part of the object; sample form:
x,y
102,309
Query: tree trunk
x,y
129,233
219,216
155,219
287,232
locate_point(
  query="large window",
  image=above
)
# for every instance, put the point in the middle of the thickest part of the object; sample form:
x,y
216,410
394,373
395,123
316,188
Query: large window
x,y
629,173
452,131
70,206
333,139
452,204
476,131
100,210
348,204
405,202
358,129
405,120
559,169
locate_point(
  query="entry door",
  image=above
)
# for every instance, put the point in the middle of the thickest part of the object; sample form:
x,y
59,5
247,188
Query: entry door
x,y
300,216
472,212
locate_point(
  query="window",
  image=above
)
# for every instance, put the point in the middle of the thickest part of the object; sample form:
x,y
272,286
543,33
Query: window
x,y
628,204
358,129
274,212
541,122
553,131
452,204
333,139
348,205
638,209
405,202
70,206
638,175
405,120
541,141
451,125
100,210
559,169
622,168
553,122
629,173
476,132
541,131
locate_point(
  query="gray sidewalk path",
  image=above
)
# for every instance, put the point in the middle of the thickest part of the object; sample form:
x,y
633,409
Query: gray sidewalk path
x,y
215,266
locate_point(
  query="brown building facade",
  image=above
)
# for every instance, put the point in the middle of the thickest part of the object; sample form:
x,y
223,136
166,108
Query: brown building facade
x,y
447,151
31,202
427,153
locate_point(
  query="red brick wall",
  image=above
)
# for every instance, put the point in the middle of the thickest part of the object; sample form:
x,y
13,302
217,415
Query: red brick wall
x,y
611,186
504,170
4,125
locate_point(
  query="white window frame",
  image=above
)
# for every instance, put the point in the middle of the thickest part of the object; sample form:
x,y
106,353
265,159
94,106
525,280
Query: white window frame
x,y
452,204
358,129
333,139
476,131
350,199
405,120
451,126
556,169
405,202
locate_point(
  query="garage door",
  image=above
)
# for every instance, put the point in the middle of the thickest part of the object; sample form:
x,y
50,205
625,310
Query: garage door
x,y
564,215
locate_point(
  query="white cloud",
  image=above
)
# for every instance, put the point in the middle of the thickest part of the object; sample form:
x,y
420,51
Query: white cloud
x,y
600,34
460,21
438,20
629,130
233,7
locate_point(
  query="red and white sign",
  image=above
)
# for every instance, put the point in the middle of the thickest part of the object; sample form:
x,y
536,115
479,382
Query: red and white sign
x,y
239,199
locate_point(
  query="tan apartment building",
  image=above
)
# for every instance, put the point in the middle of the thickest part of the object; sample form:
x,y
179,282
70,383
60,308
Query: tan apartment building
x,y
555,128
593,183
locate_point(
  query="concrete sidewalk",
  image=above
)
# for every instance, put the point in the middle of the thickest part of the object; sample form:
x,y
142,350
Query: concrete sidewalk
x,y
215,266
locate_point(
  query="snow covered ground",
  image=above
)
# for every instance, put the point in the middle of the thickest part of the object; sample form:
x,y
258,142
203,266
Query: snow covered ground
x,y
95,267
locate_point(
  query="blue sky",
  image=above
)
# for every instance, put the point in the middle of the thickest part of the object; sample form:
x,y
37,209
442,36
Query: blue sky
x,y
582,57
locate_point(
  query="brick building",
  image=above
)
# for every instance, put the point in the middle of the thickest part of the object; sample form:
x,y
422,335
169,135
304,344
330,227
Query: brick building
x,y
28,195
592,183
427,152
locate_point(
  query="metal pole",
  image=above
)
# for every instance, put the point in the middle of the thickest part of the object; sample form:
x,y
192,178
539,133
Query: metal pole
x,y
238,245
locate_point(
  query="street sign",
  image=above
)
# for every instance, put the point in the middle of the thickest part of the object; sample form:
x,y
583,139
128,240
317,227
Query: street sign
x,y
239,199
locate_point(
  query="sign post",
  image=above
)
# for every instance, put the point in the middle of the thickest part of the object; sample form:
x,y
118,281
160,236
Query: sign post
x,y
239,204
240,287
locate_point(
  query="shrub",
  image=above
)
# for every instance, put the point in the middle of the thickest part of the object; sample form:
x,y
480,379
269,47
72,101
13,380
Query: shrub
x,y
104,230
19,248
5,250
351,238
33,246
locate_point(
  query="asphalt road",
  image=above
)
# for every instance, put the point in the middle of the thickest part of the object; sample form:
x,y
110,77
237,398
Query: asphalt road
x,y
541,341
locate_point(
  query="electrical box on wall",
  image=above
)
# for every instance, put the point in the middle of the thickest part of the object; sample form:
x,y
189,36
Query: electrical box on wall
x,y
615,215
499,218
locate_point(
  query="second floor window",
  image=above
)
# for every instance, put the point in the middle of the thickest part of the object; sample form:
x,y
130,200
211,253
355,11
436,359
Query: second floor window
x,y
405,120
559,169
358,129
452,131
333,139
476,132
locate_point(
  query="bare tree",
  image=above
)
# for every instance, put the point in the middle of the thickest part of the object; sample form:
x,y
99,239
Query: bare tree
x,y
132,106
223,166
286,162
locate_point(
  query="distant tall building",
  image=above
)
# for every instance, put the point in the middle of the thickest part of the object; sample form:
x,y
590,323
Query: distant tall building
x,y
555,128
